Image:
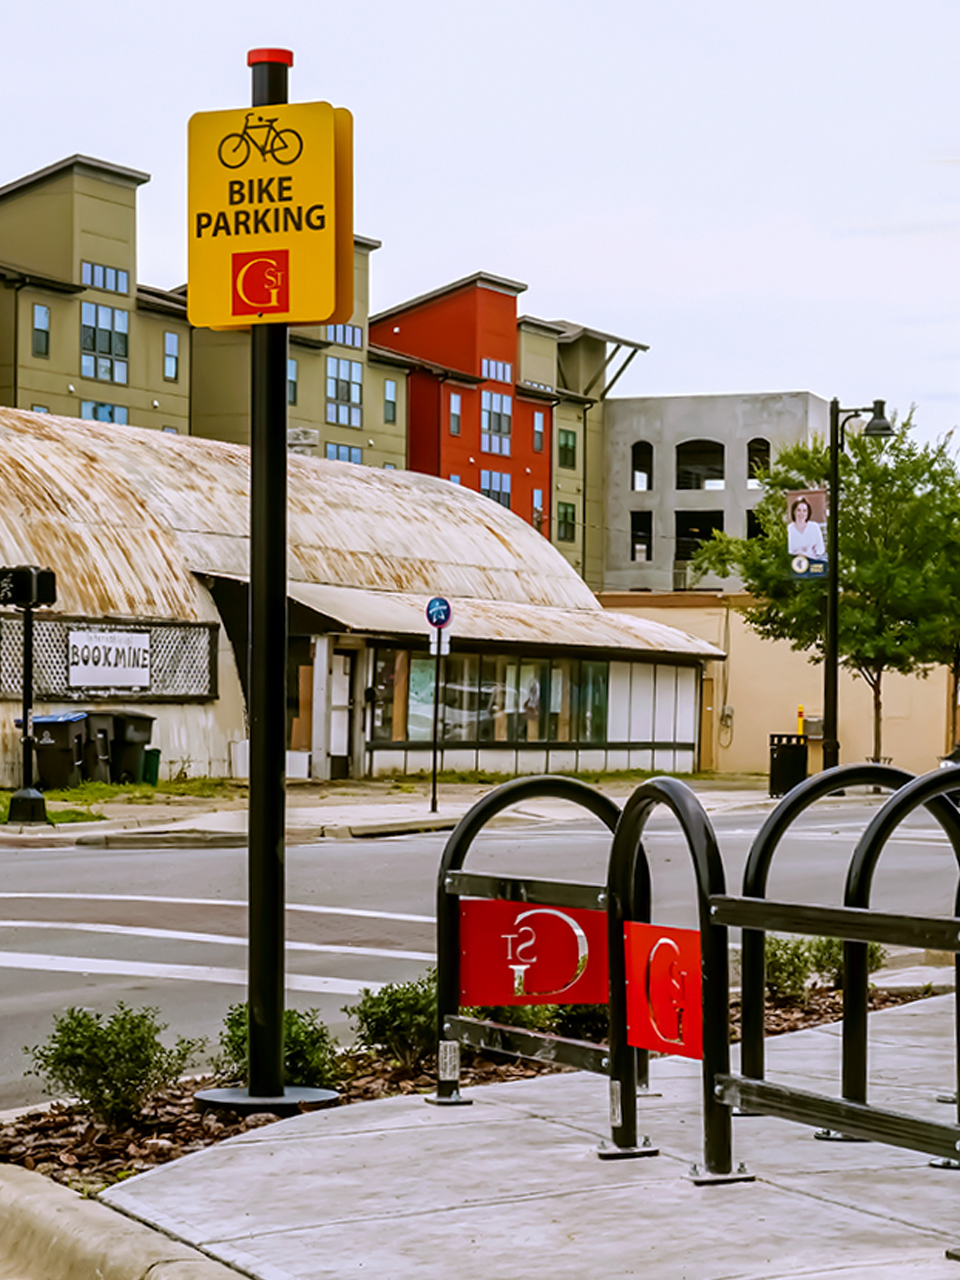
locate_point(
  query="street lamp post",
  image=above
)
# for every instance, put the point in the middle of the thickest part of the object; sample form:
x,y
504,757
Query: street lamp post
x,y
878,428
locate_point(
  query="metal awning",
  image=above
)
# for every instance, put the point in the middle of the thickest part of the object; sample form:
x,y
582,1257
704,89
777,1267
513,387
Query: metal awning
x,y
397,613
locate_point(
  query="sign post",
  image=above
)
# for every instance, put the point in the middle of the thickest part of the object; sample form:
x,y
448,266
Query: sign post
x,y
439,615
266,250
27,586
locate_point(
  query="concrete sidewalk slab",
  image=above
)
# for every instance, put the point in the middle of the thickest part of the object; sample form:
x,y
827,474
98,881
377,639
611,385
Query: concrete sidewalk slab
x,y
48,1232
512,1185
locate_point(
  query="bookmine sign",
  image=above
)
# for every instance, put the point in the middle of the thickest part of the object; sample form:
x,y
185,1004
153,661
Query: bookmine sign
x,y
108,659
270,216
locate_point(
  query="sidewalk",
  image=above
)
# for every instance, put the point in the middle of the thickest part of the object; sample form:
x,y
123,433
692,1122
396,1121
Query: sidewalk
x,y
512,1187
315,812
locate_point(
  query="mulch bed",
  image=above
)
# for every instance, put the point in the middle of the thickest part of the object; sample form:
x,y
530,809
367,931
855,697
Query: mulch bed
x,y
65,1144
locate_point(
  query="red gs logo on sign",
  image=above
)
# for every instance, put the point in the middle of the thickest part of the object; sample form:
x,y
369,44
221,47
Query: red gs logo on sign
x,y
513,953
664,1010
261,282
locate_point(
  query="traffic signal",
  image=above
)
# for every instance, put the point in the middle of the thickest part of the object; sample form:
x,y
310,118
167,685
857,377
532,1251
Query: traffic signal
x,y
26,586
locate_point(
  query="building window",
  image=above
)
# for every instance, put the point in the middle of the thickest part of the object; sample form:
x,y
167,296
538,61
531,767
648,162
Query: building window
x,y
754,527
496,485
567,449
41,330
758,460
389,400
291,382
641,535
104,342
693,528
641,463
171,356
454,479
566,522
496,421
536,518
94,411
345,453
538,432
39,408
97,276
345,335
454,413
497,370
700,465
344,392
389,466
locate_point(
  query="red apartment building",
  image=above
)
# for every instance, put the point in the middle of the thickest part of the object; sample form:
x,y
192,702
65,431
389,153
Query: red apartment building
x,y
469,417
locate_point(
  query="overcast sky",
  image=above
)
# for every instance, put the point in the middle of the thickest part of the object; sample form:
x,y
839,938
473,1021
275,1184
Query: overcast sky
x,y
768,193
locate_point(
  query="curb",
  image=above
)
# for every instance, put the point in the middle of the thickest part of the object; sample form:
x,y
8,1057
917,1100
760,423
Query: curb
x,y
48,1232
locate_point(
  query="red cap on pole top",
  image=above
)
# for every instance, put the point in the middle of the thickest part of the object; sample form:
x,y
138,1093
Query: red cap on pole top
x,y
270,55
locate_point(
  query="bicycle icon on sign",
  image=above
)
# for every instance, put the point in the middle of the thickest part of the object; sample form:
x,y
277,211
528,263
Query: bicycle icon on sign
x,y
284,145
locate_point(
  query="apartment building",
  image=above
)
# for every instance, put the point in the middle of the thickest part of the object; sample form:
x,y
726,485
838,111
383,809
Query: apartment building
x,y
78,335
512,407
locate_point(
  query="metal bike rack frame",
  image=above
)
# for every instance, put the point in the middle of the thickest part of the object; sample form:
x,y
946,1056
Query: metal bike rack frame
x,y
857,924
452,884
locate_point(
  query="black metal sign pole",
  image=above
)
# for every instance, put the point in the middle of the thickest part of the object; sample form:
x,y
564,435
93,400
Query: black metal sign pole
x,y
267,670
27,783
438,638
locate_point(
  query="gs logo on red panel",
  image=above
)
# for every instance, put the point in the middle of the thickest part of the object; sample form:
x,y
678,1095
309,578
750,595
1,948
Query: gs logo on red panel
x,y
514,953
261,282
664,1005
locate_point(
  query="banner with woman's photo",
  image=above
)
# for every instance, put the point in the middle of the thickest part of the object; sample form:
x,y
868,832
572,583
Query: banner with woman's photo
x,y
807,532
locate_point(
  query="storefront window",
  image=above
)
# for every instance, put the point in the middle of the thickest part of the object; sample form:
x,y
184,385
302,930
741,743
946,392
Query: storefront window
x,y
420,706
497,720
532,720
390,681
593,701
460,691
564,697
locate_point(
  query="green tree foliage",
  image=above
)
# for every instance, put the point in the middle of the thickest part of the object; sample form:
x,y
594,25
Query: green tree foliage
x,y
899,562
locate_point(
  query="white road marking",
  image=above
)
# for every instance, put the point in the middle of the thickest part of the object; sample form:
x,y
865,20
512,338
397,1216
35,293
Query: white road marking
x,y
170,935
360,912
86,966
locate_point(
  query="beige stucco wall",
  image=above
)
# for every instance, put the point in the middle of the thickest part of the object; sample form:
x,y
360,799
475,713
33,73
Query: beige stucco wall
x,y
765,681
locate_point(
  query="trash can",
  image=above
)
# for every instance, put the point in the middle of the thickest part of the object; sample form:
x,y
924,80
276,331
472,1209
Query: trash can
x,y
98,746
788,761
59,741
130,737
151,766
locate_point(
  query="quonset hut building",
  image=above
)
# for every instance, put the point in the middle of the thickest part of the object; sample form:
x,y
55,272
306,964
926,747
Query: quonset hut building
x,y
148,535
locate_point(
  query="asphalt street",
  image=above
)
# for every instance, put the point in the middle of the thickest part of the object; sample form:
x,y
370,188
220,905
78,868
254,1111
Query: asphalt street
x,y
167,927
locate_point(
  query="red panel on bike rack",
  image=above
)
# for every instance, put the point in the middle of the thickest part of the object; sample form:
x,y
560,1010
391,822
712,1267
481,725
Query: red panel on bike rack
x,y
513,953
664,1007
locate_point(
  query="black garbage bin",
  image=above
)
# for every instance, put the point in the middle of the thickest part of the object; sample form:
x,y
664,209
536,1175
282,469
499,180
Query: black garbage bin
x,y
59,741
788,761
98,746
130,737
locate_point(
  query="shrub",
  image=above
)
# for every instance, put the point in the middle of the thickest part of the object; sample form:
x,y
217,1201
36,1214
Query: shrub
x,y
826,958
788,967
531,1017
589,1022
112,1067
310,1056
400,1019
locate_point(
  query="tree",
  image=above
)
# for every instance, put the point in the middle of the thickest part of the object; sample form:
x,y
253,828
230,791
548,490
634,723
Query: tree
x,y
899,563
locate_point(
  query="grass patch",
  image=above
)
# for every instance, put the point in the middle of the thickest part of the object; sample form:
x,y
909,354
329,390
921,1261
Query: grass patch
x,y
88,793
61,816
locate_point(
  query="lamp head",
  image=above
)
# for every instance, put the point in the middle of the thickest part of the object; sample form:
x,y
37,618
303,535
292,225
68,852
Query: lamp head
x,y
878,428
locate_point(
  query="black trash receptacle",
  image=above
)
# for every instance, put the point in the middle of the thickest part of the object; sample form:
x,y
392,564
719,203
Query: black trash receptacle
x,y
98,747
130,738
788,761
59,741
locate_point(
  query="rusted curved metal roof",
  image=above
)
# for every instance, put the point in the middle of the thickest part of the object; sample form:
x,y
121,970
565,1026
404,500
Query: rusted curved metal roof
x,y
127,516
